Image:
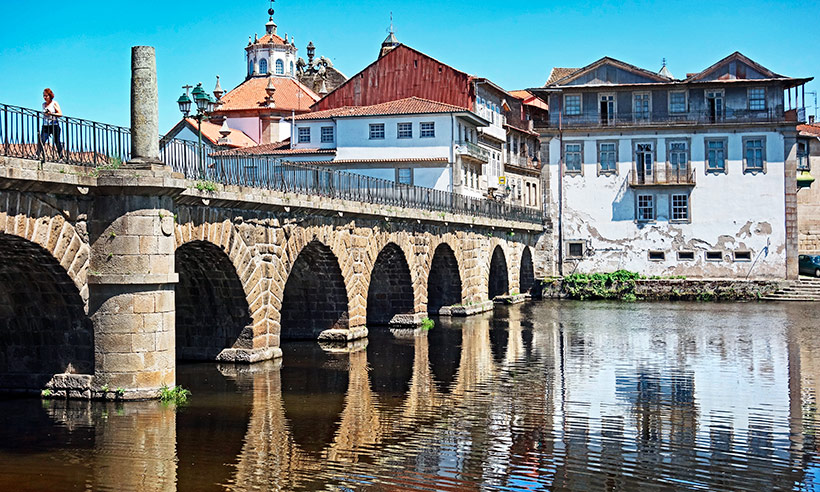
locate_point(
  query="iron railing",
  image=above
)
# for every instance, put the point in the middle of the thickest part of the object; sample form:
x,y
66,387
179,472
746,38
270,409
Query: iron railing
x,y
81,142
770,115
472,150
663,175
93,144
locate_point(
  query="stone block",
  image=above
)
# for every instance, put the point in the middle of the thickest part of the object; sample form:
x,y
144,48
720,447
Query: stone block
x,y
110,343
143,342
144,302
149,379
148,245
117,323
164,301
129,362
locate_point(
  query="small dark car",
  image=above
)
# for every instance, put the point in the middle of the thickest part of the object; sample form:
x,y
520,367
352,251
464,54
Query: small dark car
x,y
809,265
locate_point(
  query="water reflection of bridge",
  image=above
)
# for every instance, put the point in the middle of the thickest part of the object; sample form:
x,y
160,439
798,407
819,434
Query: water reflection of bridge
x,y
500,402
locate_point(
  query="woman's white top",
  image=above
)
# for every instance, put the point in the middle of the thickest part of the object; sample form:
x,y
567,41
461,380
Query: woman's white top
x,y
51,107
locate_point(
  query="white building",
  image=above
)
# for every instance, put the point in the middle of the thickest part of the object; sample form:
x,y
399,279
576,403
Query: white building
x,y
412,141
666,176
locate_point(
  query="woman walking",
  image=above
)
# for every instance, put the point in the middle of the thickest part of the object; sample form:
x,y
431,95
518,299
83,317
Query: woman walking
x,y
51,125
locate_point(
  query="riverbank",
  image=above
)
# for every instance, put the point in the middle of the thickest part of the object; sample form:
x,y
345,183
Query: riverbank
x,y
630,287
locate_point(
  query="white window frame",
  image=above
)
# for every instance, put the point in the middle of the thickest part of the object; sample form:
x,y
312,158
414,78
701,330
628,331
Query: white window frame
x,y
429,132
261,70
716,93
303,134
677,207
580,153
610,117
685,102
754,170
280,67
404,130
601,170
646,206
580,105
376,131
716,170
324,134
635,97
749,98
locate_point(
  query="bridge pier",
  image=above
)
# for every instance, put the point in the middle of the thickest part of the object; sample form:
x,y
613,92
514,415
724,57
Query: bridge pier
x,y
131,281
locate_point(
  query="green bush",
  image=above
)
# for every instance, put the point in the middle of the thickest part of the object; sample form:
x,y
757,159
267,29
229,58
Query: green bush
x,y
427,324
177,395
616,285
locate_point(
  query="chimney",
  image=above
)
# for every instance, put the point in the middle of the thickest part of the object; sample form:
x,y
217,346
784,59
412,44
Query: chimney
x,y
811,119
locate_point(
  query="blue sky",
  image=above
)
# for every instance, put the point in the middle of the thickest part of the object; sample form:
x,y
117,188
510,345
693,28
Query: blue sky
x,y
81,49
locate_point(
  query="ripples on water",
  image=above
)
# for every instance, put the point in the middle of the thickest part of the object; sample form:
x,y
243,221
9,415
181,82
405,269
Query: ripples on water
x,y
545,396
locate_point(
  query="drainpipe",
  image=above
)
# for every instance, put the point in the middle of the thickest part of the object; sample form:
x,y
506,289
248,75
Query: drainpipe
x,y
560,187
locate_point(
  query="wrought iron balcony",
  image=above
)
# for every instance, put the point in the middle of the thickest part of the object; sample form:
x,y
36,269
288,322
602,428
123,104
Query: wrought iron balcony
x,y
662,175
729,116
472,151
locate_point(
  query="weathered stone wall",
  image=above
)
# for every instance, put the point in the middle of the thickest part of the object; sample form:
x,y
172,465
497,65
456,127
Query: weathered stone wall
x,y
685,289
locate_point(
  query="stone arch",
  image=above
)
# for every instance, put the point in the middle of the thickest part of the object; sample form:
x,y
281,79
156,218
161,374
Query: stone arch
x,y
498,282
314,297
526,271
390,291
212,310
444,285
34,220
44,325
373,247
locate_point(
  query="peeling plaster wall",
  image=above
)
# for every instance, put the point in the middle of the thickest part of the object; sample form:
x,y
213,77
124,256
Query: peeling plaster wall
x,y
728,212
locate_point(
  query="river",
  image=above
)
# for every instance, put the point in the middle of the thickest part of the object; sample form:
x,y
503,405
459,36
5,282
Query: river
x,y
548,395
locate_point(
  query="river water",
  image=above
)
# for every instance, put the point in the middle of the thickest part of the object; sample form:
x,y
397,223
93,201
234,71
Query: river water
x,y
549,395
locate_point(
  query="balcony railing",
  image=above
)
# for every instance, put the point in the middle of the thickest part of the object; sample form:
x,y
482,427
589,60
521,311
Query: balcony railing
x,y
671,119
519,160
472,150
98,145
662,175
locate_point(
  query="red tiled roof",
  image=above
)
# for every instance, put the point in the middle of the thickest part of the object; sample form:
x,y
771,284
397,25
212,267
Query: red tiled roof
x,y
809,130
410,105
250,95
210,131
277,148
271,38
530,99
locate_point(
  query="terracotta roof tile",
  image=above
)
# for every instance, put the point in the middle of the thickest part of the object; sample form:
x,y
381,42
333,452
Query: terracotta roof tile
x,y
809,130
271,38
410,105
250,95
530,99
277,148
210,131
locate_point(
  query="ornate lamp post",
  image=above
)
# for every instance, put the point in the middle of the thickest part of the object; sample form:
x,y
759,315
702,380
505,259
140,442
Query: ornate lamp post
x,y
205,105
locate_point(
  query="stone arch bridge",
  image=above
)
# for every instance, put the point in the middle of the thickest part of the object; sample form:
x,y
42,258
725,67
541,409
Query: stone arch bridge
x,y
107,278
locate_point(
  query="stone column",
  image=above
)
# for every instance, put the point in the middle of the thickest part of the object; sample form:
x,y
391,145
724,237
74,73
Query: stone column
x,y
790,171
144,107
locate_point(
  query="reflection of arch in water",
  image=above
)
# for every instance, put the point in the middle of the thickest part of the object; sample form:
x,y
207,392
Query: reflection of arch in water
x,y
499,283
444,283
391,365
44,329
315,297
444,351
212,312
391,289
526,273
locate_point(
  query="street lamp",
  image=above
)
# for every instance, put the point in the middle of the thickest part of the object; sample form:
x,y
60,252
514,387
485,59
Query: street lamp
x,y
205,105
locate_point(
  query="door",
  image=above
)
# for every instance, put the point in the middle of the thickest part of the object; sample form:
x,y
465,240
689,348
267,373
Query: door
x,y
644,163
607,109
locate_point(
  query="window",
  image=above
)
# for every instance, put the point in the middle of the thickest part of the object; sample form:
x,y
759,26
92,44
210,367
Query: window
x,y
327,134
607,108
754,153
644,163
304,135
640,106
743,256
607,157
715,155
405,175
377,131
714,255
802,157
404,130
686,255
263,66
657,256
250,67
572,104
757,99
428,130
280,67
680,207
291,68
572,157
714,105
677,102
678,159
575,249
646,208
